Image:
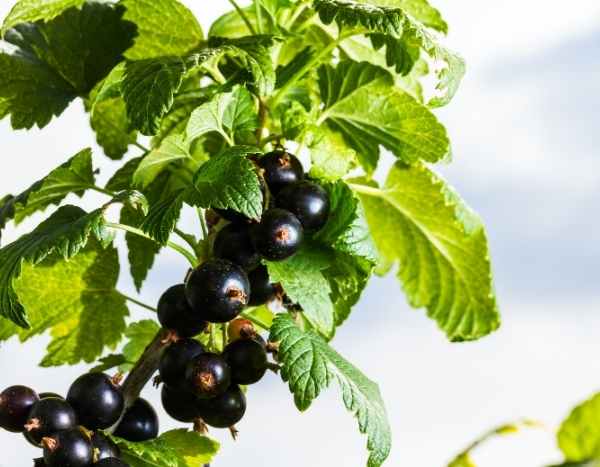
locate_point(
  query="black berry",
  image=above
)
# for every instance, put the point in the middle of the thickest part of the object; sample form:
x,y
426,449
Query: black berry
x,y
68,448
15,404
247,359
175,359
175,313
43,395
225,410
261,288
278,235
208,375
280,169
97,399
218,289
233,243
104,447
111,462
308,201
48,416
139,423
231,215
39,462
180,405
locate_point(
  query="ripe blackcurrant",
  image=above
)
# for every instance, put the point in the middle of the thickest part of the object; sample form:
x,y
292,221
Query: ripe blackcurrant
x,y
15,404
261,288
231,215
218,290
308,201
280,169
174,360
179,404
104,447
240,328
97,399
174,312
43,395
139,423
208,375
278,235
247,359
39,462
225,410
233,243
48,416
68,448
111,462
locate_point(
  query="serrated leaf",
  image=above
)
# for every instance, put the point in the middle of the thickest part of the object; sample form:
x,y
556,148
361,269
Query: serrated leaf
x,y
46,65
362,103
309,365
172,149
65,233
331,156
163,215
30,11
78,304
579,435
418,221
165,27
109,122
229,114
421,10
228,181
303,280
122,179
140,334
108,363
175,448
74,176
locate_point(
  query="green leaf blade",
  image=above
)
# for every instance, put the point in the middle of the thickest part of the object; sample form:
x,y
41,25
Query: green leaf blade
x,y
30,11
579,434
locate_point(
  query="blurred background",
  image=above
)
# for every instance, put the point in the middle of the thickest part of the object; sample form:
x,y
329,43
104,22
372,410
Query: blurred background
x,y
526,138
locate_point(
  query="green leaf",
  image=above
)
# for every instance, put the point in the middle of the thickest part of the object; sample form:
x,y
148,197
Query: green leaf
x,y
579,435
47,65
109,122
418,221
309,365
175,448
78,304
30,11
140,334
331,156
165,27
108,363
163,216
362,103
65,232
301,276
74,176
172,149
463,460
122,179
228,181
420,10
229,114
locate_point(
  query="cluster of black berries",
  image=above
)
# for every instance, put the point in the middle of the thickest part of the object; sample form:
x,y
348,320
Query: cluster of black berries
x,y
68,429
204,387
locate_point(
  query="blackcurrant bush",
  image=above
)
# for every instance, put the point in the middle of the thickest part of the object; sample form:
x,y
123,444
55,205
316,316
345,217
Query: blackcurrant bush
x,y
278,235
97,399
179,404
15,404
174,360
139,423
225,410
175,313
233,243
261,288
280,169
208,375
68,448
247,359
47,416
240,328
218,290
308,201
104,447
111,462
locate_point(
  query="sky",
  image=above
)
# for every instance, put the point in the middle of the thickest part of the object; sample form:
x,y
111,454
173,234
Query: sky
x,y
524,128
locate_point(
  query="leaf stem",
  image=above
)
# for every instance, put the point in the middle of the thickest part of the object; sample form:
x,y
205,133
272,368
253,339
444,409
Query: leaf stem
x,y
191,257
104,191
187,238
367,190
141,146
257,10
243,16
203,225
137,302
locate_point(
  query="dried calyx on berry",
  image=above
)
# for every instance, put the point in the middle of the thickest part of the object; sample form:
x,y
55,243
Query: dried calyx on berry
x,y
48,416
175,313
68,448
278,236
280,168
241,328
15,405
208,375
174,361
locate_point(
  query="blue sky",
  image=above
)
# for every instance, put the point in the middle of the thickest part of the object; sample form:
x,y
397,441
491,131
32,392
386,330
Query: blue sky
x,y
525,132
